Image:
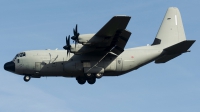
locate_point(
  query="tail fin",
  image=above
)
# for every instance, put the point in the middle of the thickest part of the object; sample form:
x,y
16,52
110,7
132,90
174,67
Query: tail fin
x,y
171,30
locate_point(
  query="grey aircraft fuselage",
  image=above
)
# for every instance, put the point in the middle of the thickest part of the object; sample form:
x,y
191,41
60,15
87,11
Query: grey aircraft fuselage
x,y
56,63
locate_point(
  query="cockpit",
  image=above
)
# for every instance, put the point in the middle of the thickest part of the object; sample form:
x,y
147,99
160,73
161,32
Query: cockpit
x,y
22,54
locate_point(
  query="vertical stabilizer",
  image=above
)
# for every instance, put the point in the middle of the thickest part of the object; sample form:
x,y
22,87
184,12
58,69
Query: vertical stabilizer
x,y
171,30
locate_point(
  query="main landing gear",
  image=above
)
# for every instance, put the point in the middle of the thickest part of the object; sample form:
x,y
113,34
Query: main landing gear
x,y
27,78
90,78
81,80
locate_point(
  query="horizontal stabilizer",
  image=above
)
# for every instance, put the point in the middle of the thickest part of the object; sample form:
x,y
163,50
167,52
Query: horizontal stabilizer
x,y
166,58
179,47
175,51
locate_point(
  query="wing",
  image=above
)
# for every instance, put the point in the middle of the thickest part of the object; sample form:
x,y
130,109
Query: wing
x,y
112,37
117,23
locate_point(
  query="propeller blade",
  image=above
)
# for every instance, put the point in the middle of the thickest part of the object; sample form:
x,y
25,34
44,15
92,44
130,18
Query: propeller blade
x,y
76,34
67,46
68,41
76,29
67,52
75,44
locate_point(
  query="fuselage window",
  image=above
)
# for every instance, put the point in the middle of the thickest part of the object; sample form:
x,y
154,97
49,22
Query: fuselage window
x,y
19,55
17,60
86,64
22,54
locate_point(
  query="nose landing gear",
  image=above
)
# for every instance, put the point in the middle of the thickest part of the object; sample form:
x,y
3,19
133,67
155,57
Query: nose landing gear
x,y
27,78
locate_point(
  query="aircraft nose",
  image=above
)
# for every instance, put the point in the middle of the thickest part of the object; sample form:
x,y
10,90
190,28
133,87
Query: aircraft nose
x,y
9,66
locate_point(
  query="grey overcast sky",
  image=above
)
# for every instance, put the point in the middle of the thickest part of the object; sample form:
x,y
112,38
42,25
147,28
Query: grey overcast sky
x,y
41,24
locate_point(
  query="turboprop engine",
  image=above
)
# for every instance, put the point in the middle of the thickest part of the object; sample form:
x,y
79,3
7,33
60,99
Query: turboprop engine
x,y
87,39
80,48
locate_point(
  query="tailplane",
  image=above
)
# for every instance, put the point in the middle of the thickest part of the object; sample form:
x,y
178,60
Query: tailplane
x,y
174,51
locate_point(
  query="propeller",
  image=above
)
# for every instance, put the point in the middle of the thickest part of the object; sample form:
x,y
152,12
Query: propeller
x,y
76,34
67,46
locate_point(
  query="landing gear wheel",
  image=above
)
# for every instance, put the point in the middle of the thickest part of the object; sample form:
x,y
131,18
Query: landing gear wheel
x,y
27,78
91,80
81,80
99,75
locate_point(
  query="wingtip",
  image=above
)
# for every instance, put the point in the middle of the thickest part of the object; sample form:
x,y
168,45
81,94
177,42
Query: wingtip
x,y
122,16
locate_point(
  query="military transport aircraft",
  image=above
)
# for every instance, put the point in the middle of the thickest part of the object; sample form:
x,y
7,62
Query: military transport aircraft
x,y
102,54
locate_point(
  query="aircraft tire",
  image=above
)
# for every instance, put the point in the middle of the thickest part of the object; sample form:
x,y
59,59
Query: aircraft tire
x,y
81,80
27,78
91,80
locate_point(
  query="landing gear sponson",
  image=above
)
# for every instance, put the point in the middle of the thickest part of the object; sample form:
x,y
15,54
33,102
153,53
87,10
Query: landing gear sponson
x,y
90,78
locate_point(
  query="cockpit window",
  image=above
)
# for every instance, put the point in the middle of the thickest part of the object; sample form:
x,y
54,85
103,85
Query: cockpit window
x,y
19,55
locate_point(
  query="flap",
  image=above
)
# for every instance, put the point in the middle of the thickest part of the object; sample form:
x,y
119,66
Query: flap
x,y
121,42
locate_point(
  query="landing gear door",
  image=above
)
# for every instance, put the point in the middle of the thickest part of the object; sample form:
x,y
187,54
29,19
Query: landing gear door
x,y
119,64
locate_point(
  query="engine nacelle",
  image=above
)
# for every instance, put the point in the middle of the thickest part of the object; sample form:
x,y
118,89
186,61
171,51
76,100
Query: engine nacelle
x,y
79,49
89,39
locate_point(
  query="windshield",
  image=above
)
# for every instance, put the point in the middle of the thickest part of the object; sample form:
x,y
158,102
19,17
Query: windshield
x,y
19,55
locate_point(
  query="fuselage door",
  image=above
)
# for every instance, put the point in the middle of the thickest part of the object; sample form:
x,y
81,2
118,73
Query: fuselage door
x,y
119,64
19,66
37,66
